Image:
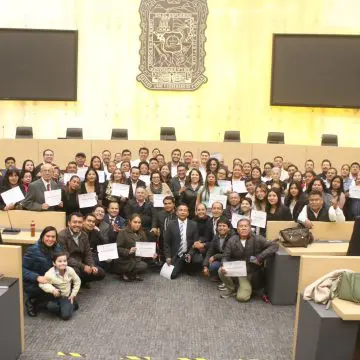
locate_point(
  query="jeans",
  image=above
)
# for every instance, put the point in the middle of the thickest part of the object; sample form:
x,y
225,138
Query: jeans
x,y
214,267
62,307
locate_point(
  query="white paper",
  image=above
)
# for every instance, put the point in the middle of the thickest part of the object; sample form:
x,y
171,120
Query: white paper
x,y
67,177
81,173
166,271
101,174
220,198
87,200
120,190
354,192
53,197
127,174
225,185
107,251
145,179
145,249
235,218
12,196
258,218
158,200
235,268
239,187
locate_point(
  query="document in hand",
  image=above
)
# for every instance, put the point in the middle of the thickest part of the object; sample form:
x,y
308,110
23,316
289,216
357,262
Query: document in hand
x,y
158,200
354,192
87,200
166,271
107,251
239,187
81,173
53,197
145,249
12,196
67,177
235,268
258,218
235,219
145,179
225,185
101,174
120,190
220,198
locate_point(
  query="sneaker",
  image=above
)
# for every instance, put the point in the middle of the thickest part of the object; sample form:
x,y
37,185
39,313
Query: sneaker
x,y
265,299
227,294
222,286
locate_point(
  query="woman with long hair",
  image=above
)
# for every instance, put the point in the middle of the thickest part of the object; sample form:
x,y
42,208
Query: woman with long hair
x,y
165,174
28,165
70,195
91,185
11,180
260,198
157,187
193,184
318,184
210,187
275,210
337,190
295,199
117,177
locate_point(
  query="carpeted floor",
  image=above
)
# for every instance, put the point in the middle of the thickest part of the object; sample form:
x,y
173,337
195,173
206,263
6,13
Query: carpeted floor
x,y
164,320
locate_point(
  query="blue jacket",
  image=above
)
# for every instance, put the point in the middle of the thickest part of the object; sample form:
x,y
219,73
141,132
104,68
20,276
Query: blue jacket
x,y
36,263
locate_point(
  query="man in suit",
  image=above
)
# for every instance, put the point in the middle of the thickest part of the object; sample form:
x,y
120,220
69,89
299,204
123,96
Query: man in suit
x,y
134,181
180,236
177,183
35,197
76,243
48,158
115,221
175,161
161,221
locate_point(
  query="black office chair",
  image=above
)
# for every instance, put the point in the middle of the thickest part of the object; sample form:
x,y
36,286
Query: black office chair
x,y
276,138
329,140
24,132
74,133
167,133
119,134
232,136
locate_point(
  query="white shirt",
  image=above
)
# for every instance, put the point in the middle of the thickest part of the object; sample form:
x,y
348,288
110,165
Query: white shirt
x,y
335,215
173,170
183,240
46,184
133,185
243,242
136,162
284,175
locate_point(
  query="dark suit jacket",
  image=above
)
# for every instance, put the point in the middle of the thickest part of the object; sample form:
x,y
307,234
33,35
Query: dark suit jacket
x,y
35,196
79,255
146,212
172,238
175,186
215,250
283,214
139,183
118,221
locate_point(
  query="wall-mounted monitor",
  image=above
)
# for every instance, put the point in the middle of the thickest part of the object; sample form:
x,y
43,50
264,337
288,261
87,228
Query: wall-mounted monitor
x,y
316,70
38,64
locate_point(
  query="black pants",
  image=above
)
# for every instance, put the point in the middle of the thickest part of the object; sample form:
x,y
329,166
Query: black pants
x,y
90,277
61,306
181,265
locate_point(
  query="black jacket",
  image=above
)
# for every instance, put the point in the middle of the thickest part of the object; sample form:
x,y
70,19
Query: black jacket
x,y
175,186
138,184
188,197
215,250
146,212
283,214
300,203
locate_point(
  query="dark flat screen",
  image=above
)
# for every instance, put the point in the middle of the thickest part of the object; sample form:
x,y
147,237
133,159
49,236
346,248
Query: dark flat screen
x,y
316,70
38,64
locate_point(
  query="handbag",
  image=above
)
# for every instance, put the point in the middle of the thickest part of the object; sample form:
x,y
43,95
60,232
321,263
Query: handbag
x,y
349,287
296,237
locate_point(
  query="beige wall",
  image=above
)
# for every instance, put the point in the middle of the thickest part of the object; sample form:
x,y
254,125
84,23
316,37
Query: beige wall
x,y
238,65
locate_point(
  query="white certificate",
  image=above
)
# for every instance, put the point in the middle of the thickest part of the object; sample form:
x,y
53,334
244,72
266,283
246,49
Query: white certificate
x,y
219,198
53,197
101,175
354,192
67,177
235,268
225,185
12,196
166,271
239,187
145,179
120,190
107,252
81,173
87,200
235,218
158,200
258,218
145,249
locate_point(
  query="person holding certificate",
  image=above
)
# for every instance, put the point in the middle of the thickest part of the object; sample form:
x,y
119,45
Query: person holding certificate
x,y
128,265
189,195
354,198
117,177
91,185
211,187
157,187
234,205
253,250
11,181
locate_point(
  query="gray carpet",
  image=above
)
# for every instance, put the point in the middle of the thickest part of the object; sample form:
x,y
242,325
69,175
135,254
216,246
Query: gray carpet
x,y
164,320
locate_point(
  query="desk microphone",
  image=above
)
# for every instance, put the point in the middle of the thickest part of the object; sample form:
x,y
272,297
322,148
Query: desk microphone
x,y
10,230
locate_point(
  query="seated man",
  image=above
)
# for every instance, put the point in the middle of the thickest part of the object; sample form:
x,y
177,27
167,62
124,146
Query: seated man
x,y
76,243
35,197
161,221
180,236
317,210
254,250
215,253
115,221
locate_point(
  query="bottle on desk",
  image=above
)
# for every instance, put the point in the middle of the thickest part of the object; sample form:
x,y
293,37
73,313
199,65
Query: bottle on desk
x,y
32,228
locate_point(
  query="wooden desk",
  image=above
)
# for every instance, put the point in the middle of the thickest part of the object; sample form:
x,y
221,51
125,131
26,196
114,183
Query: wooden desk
x,y
346,310
22,238
326,249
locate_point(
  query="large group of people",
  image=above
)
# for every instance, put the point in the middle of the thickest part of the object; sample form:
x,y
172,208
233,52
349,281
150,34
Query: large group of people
x,y
198,212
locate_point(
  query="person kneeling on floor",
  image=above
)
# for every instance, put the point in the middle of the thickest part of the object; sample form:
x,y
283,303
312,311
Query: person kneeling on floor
x,y
254,249
63,284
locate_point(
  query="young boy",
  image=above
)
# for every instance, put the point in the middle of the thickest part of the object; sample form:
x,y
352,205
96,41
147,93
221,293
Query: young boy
x,y
64,284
